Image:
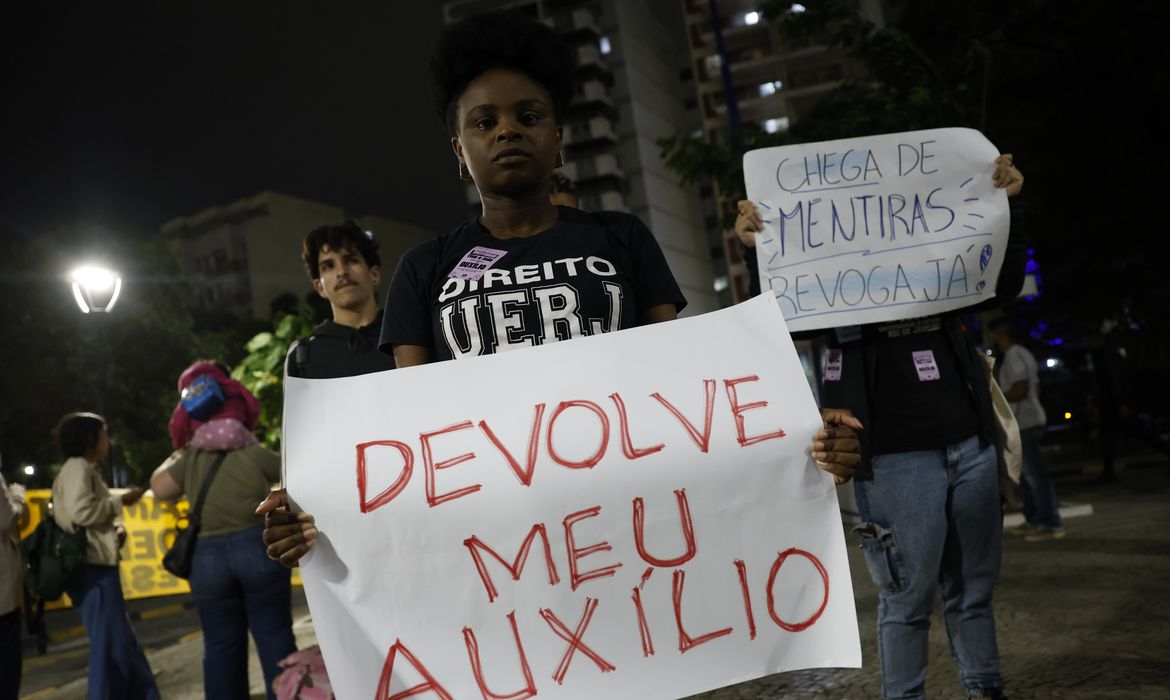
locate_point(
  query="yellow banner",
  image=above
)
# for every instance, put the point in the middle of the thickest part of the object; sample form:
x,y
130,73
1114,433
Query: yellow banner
x,y
150,530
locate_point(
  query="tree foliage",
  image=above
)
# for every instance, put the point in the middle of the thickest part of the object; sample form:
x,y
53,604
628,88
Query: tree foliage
x,y
262,368
696,160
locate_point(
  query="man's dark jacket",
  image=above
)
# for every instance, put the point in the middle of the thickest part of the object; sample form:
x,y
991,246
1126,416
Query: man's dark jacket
x,y
338,351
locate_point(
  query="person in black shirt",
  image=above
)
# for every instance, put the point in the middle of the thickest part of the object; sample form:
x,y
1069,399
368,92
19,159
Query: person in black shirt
x,y
928,486
525,272
342,261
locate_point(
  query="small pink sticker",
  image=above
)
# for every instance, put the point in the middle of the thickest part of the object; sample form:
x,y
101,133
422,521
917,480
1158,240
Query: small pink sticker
x,y
833,357
476,262
926,366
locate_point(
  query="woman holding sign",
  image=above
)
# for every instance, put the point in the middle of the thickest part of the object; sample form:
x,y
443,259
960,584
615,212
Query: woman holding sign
x,y
525,272
928,493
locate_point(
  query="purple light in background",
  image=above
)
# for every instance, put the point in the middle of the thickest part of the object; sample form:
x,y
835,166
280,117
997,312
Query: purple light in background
x,y
1056,341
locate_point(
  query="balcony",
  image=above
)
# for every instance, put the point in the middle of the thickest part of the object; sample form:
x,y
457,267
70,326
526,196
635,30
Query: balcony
x,y
592,93
595,131
579,25
599,167
589,58
736,38
610,200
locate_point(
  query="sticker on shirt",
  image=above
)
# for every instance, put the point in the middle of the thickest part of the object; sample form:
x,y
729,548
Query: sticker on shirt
x,y
833,361
926,366
477,261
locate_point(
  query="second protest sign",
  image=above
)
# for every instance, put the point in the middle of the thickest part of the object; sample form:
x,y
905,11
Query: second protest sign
x,y
878,228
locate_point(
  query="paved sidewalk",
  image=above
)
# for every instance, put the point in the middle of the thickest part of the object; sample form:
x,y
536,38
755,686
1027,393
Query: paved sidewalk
x,y
1083,618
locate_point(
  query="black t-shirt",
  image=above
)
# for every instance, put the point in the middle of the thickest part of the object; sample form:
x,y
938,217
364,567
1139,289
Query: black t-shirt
x,y
920,399
587,274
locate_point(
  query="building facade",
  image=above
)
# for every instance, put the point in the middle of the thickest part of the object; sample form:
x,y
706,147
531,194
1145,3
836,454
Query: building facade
x,y
776,83
244,255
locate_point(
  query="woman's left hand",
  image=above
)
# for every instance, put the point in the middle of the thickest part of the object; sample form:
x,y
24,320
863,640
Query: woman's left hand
x,y
836,449
1007,175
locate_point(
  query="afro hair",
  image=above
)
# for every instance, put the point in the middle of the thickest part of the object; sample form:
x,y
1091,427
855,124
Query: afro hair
x,y
499,39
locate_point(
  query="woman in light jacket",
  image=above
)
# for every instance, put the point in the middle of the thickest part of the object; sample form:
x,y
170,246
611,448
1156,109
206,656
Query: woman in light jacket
x,y
117,667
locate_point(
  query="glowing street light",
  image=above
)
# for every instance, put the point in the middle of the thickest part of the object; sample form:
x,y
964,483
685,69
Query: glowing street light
x,y
30,469
96,289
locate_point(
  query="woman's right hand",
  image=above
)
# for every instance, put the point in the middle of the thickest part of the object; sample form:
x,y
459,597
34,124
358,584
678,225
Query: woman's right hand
x,y
288,536
748,222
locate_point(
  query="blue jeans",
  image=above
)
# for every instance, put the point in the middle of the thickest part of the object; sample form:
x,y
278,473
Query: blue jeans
x,y
933,519
236,587
1040,506
118,669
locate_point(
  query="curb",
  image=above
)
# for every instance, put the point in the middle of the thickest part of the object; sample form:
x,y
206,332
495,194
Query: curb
x,y
69,633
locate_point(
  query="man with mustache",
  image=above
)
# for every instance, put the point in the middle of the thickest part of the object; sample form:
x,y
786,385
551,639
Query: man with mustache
x,y
342,261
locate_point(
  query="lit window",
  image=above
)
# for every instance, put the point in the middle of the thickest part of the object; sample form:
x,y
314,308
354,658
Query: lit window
x,y
605,45
713,64
751,18
775,126
797,8
770,88
1051,362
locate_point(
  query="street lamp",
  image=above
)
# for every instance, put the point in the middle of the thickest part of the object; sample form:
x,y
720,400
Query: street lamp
x,y
96,289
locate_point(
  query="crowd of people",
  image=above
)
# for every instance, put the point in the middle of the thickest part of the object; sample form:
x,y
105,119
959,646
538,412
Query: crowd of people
x,y
924,465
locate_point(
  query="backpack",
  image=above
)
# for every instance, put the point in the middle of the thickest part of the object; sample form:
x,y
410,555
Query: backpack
x,y
51,556
304,677
202,397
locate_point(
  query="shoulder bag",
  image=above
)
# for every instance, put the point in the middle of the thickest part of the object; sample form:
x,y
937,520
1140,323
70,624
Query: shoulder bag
x,y
178,558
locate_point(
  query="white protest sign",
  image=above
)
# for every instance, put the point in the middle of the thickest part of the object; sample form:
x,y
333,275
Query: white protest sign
x,y
628,515
878,228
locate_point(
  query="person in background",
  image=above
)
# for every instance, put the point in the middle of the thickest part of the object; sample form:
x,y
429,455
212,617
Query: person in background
x,y
117,666
928,488
235,586
1017,375
11,584
1112,398
229,427
343,264
563,191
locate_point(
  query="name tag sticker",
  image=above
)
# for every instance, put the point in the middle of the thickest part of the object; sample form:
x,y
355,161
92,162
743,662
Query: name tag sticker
x,y
477,261
926,366
833,361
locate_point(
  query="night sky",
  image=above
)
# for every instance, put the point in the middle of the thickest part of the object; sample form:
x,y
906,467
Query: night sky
x,y
126,115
